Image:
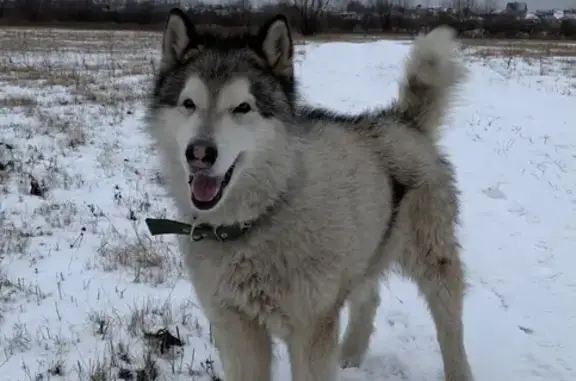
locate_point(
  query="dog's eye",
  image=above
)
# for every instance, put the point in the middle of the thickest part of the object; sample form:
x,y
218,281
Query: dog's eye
x,y
242,108
189,104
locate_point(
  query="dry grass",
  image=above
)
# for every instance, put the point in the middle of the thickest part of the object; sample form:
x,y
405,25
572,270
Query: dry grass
x,y
89,63
528,60
59,84
521,48
150,261
350,37
18,101
61,92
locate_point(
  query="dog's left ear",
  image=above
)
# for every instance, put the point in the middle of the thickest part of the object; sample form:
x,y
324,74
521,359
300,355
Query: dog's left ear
x,y
179,34
276,43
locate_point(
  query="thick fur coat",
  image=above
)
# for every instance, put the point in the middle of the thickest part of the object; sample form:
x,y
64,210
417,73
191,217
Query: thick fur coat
x,y
332,201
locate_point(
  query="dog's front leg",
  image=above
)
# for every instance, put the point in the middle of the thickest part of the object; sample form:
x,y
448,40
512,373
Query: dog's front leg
x,y
314,350
244,346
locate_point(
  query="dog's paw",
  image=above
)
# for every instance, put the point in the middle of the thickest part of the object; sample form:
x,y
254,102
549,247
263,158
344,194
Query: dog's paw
x,y
350,361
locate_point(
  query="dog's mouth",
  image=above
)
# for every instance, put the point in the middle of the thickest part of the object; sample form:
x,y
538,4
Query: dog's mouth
x,y
206,191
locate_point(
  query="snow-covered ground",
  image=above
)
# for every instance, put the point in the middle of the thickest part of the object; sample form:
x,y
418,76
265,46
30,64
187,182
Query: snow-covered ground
x,y
84,290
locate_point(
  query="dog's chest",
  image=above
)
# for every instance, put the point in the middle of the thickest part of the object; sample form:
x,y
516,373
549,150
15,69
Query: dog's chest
x,y
260,288
279,282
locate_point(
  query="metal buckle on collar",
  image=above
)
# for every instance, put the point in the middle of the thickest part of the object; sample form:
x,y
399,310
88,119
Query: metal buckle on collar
x,y
199,232
202,231
220,235
196,235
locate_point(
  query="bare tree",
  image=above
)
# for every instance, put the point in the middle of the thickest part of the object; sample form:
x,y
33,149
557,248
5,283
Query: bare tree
x,y
464,7
383,10
405,4
30,8
471,5
245,5
242,9
457,5
310,12
339,5
446,3
490,6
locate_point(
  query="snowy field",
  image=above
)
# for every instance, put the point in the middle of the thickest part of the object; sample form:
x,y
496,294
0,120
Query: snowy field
x,y
86,294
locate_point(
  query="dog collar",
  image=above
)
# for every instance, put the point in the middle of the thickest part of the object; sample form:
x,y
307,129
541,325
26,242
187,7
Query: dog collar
x,y
159,226
200,231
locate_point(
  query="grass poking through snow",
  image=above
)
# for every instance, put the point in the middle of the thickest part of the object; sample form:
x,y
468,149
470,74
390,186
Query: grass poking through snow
x,y
75,188
95,297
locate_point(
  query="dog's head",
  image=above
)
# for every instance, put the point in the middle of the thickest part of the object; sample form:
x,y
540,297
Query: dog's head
x,y
222,100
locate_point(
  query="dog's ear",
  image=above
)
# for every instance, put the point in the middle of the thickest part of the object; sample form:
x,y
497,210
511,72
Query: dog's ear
x,y
276,43
179,35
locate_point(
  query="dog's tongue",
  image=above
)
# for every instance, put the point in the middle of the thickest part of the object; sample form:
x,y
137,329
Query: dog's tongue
x,y
205,188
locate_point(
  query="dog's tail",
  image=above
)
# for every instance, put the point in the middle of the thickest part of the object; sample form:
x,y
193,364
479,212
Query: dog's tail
x,y
433,73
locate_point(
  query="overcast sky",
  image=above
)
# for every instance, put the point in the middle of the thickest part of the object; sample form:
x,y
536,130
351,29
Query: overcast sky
x,y
547,4
533,4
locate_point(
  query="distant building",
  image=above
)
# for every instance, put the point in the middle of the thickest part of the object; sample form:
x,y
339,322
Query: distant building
x,y
516,7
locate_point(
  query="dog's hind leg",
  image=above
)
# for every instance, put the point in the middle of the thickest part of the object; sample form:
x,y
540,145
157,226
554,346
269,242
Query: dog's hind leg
x,y
433,261
363,304
314,350
443,290
244,347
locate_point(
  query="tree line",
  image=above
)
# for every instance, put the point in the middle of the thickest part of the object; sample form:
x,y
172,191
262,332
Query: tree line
x,y
469,17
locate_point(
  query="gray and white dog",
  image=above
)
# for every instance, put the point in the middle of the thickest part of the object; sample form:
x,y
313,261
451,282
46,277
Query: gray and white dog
x,y
298,210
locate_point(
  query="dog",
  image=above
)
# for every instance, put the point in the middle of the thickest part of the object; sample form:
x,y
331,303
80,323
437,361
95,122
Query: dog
x,y
298,210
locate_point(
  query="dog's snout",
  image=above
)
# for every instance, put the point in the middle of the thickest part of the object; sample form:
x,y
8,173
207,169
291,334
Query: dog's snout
x,y
201,154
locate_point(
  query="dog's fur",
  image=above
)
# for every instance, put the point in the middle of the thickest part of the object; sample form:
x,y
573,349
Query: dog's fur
x,y
335,200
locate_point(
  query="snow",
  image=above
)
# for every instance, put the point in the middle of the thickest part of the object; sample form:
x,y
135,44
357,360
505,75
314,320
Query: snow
x,y
80,279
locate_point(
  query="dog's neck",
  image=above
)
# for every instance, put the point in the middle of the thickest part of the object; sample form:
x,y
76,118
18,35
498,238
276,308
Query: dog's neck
x,y
231,232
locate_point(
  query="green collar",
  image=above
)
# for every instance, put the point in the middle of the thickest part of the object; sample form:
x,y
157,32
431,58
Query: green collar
x,y
158,226
198,232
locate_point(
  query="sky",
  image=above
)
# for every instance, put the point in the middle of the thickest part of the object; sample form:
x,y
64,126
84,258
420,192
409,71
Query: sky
x,y
535,4
546,4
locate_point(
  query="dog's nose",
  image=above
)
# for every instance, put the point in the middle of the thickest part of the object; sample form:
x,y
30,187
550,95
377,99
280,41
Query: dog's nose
x,y
201,154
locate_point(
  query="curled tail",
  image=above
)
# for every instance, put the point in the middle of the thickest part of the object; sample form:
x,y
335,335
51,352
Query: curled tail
x,y
433,73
